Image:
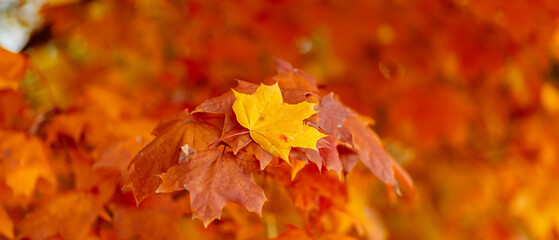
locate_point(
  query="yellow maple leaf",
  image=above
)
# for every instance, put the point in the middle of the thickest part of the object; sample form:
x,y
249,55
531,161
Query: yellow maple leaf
x,y
276,126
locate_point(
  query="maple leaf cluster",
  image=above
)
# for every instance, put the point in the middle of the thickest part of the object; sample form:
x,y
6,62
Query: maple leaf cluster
x,y
265,130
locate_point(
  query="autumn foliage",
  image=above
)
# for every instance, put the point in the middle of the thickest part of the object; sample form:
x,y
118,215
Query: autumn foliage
x,y
263,131
261,120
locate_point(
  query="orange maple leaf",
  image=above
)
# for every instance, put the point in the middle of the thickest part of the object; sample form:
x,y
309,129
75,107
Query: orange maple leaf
x,y
26,160
163,152
213,179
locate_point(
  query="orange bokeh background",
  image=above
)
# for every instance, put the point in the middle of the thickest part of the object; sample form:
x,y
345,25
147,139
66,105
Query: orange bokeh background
x,y
464,93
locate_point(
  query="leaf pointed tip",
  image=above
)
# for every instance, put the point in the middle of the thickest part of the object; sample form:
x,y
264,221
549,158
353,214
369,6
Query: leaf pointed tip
x,y
138,200
206,221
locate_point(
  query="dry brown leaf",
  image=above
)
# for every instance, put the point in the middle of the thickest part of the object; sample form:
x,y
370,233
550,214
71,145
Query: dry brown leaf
x,y
164,151
213,179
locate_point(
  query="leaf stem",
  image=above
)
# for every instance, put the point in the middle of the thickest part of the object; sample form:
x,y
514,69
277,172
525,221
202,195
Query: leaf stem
x,y
230,136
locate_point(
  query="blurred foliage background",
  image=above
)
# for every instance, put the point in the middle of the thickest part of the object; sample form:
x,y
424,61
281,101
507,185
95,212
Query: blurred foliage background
x,y
464,92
